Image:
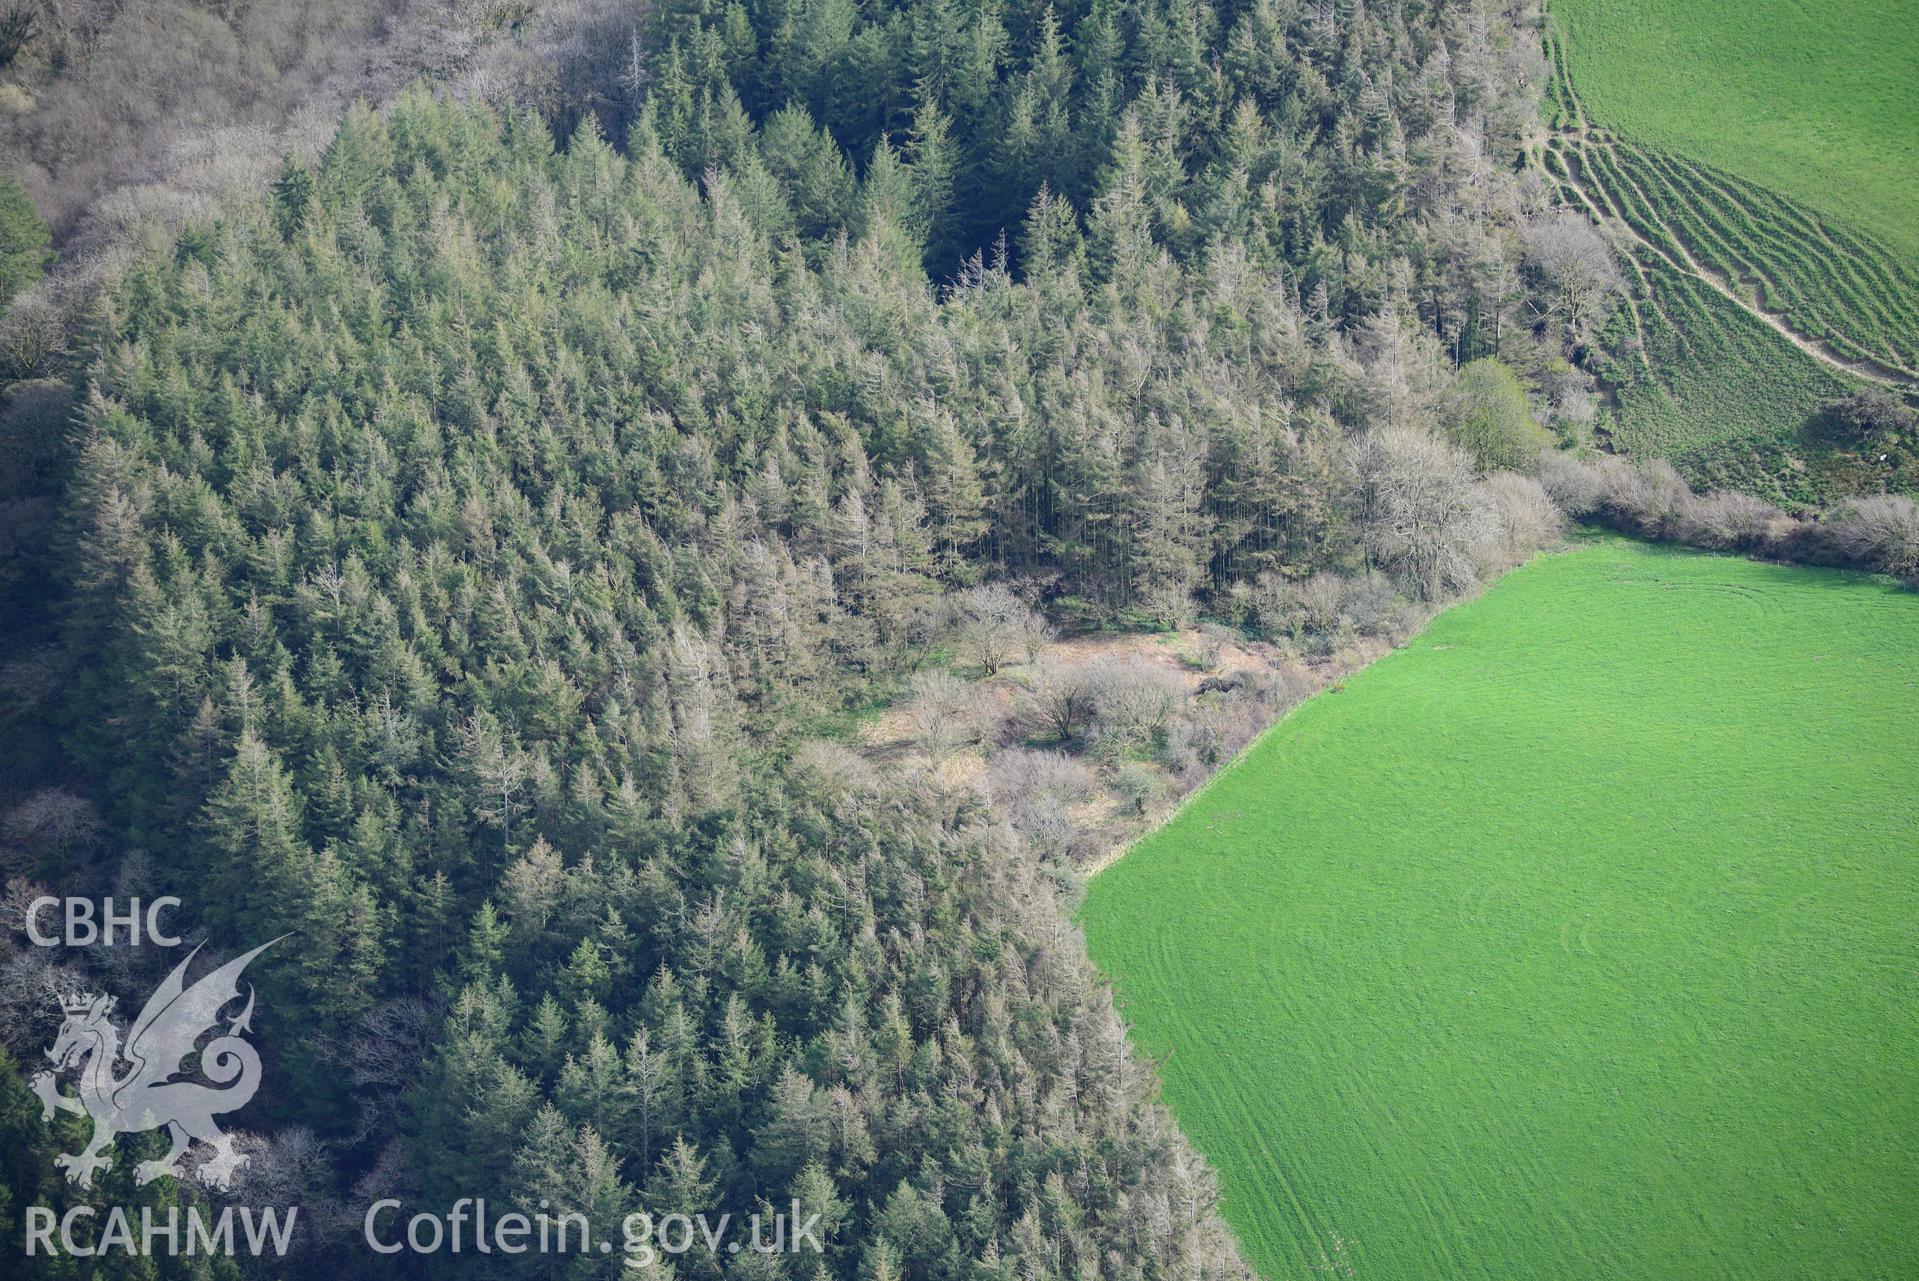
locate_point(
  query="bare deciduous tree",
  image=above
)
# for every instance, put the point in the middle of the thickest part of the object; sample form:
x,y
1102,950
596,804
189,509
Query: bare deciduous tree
x,y
1419,520
1063,698
498,770
50,834
1298,610
1133,699
990,622
1036,792
944,714
1035,634
1523,519
1577,267
838,774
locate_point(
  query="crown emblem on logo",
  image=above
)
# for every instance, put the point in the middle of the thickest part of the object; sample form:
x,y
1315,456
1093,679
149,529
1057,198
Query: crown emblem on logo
x,y
81,1002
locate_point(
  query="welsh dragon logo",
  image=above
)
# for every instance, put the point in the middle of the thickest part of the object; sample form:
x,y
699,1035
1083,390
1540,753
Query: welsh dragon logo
x,y
147,1096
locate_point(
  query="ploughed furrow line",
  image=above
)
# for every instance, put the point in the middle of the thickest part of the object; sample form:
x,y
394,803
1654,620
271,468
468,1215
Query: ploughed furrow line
x,y
1720,241
1632,206
1727,244
1849,296
1566,161
1607,179
1682,260
1708,236
1825,302
1879,269
1561,170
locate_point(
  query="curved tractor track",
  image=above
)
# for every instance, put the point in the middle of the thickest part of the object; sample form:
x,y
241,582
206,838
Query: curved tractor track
x,y
1572,143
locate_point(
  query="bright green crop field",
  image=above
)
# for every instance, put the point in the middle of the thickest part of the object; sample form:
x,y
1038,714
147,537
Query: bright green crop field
x,y
1578,939
1817,99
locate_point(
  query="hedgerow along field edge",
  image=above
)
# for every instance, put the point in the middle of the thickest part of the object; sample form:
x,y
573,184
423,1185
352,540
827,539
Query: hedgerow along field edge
x,y
1580,938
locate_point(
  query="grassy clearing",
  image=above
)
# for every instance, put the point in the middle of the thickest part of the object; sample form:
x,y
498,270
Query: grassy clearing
x,y
1816,100
1727,399
1579,939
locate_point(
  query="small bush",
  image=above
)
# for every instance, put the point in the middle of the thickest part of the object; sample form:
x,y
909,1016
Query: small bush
x,y
1878,533
1577,487
1035,792
1870,413
1649,499
1138,785
1524,519
1728,521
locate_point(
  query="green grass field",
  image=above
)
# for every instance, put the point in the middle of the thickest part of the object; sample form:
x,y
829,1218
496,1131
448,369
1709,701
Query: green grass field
x,y
1817,100
1579,939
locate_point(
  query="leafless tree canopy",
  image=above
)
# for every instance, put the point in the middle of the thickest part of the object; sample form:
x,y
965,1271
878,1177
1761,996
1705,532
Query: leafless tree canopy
x,y
128,122
993,624
50,835
1063,697
1732,521
1522,518
1581,278
1881,531
1036,792
1133,700
944,713
1420,520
